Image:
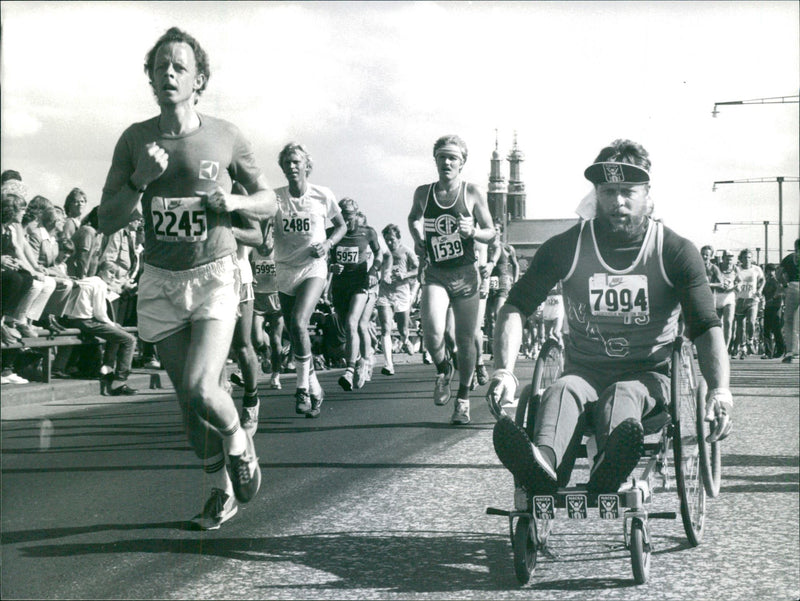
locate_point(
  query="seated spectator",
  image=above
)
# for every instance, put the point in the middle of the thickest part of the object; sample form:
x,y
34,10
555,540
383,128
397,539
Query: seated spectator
x,y
30,305
86,310
16,280
88,244
35,207
73,207
44,241
120,248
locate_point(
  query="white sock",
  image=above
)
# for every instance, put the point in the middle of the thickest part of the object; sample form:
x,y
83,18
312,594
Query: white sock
x,y
303,368
234,439
216,473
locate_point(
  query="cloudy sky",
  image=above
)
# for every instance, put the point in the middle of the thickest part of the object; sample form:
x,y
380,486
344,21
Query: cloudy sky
x,y
369,86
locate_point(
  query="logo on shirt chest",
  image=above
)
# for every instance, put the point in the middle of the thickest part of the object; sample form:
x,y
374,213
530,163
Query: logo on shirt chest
x,y
209,170
446,224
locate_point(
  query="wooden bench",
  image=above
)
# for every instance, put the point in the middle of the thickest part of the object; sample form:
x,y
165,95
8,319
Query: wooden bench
x,y
52,340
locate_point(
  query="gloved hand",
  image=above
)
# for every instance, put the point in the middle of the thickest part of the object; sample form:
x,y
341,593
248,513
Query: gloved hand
x,y
719,407
502,388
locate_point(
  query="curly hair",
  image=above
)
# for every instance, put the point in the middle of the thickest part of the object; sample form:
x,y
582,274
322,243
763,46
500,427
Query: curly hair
x,y
35,208
10,205
174,34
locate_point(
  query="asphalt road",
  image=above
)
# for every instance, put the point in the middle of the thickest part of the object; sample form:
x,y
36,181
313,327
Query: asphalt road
x,y
379,498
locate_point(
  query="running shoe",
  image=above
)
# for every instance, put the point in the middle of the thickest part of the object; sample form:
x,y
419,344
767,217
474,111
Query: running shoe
x,y
236,378
482,374
152,364
615,463
315,390
521,457
370,367
460,412
408,348
788,358
441,390
360,374
316,406
219,508
275,381
302,402
387,370
346,380
245,472
249,418
426,357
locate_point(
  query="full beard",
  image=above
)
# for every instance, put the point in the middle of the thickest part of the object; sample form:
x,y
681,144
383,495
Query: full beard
x,y
622,228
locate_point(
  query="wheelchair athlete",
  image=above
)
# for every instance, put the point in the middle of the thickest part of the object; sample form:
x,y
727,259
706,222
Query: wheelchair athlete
x,y
625,279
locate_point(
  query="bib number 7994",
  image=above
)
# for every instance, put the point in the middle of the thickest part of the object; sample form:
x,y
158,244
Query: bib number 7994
x,y
618,295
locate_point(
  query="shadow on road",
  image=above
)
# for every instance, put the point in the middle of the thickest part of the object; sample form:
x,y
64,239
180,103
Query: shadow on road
x,y
400,562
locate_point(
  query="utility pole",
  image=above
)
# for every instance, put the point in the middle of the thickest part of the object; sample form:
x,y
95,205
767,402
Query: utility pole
x,y
760,180
766,225
772,100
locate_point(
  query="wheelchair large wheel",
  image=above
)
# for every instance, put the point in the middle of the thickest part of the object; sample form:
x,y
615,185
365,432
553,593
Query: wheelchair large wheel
x,y
524,550
548,368
688,473
640,552
710,456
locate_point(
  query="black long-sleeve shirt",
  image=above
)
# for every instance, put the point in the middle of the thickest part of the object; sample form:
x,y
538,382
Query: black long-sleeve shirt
x,y
682,264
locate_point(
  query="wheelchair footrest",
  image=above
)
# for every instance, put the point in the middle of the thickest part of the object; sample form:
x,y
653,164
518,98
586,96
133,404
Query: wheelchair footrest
x,y
577,501
662,515
495,511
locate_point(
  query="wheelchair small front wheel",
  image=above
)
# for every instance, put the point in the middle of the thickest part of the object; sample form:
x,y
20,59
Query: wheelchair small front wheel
x,y
524,550
640,552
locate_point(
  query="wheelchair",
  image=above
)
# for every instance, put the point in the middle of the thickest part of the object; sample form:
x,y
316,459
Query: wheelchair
x,y
675,450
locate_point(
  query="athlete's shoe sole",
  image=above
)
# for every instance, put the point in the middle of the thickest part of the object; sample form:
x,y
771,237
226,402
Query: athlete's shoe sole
x,y
460,415
302,402
441,389
245,472
346,383
522,458
623,450
249,418
219,508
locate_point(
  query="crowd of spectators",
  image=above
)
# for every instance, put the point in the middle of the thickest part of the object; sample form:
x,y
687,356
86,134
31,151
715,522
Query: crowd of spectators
x,y
51,258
